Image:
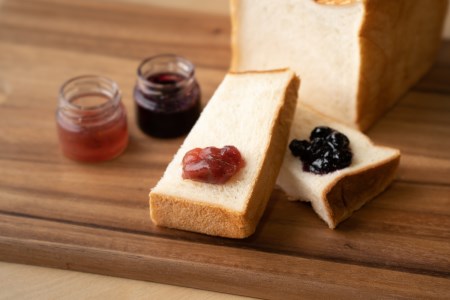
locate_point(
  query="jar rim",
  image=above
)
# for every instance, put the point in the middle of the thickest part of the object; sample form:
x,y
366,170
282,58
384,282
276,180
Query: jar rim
x,y
190,73
113,98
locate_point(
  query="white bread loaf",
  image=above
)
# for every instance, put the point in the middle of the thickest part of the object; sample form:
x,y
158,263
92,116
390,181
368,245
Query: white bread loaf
x,y
252,111
355,58
335,196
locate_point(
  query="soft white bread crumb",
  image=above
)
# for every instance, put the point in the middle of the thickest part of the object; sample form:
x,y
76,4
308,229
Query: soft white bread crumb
x,y
336,195
252,111
355,58
338,2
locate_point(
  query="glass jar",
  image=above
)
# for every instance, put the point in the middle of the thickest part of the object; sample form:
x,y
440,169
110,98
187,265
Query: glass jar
x,y
167,96
91,119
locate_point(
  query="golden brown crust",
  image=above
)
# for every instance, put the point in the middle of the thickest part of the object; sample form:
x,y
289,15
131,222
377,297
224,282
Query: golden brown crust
x,y
390,29
175,212
269,169
351,192
191,215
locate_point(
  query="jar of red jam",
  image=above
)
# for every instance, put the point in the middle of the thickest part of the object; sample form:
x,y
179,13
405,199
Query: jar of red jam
x,y
167,96
91,119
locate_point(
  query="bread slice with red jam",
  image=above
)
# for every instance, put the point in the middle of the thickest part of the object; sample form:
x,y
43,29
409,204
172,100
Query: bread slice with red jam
x,y
333,166
206,188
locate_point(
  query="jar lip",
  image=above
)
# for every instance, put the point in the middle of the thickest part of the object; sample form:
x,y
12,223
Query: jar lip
x,y
114,98
142,77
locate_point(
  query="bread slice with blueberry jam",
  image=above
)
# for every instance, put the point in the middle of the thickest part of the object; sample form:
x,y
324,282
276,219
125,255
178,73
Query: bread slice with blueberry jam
x,y
336,195
253,112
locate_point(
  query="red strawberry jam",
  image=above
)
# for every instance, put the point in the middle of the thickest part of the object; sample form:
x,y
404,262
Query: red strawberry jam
x,y
211,164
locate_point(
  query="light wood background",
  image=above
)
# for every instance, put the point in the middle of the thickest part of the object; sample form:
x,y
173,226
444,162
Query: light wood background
x,y
20,281
31,282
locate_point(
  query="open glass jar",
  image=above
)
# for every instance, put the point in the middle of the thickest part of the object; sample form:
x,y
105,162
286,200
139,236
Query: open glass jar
x,y
167,96
91,119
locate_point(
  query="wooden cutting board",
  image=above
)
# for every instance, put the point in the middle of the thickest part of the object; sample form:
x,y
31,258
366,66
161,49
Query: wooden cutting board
x,y
94,218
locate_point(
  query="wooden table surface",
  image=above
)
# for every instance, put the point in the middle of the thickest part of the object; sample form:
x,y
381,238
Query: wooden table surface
x,y
397,245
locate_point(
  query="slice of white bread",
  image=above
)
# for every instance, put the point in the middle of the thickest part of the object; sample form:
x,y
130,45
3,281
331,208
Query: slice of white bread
x,y
335,196
252,111
355,58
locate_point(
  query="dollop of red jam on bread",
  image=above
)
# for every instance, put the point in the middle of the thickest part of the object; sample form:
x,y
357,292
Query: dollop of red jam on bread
x,y
211,164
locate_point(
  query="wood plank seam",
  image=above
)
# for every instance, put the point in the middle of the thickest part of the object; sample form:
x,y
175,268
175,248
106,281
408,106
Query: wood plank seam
x,y
232,244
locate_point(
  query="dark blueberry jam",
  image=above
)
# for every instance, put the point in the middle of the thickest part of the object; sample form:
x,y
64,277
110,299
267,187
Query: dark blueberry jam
x,y
327,150
169,107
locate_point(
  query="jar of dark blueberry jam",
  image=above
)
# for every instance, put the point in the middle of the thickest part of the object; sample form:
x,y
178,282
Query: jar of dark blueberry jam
x,y
167,96
91,120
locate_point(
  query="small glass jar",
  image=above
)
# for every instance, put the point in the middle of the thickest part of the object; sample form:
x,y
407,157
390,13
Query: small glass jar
x,y
91,119
167,96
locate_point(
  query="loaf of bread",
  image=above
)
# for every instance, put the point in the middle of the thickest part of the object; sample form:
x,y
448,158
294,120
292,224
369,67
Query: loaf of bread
x,y
252,111
335,196
355,58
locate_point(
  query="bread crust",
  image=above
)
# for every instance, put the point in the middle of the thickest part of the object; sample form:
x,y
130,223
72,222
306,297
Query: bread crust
x,y
189,214
384,78
388,66
192,215
351,191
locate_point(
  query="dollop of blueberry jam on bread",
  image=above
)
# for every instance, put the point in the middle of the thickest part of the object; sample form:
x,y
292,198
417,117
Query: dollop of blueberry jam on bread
x,y
211,164
326,151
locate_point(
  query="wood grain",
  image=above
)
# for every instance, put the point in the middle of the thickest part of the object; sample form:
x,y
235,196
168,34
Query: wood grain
x,y
206,266
94,218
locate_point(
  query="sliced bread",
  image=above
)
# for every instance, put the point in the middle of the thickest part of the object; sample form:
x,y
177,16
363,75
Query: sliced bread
x,y
252,111
335,196
356,58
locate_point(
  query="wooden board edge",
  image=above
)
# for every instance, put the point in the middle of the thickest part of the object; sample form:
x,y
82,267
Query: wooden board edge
x,y
217,268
